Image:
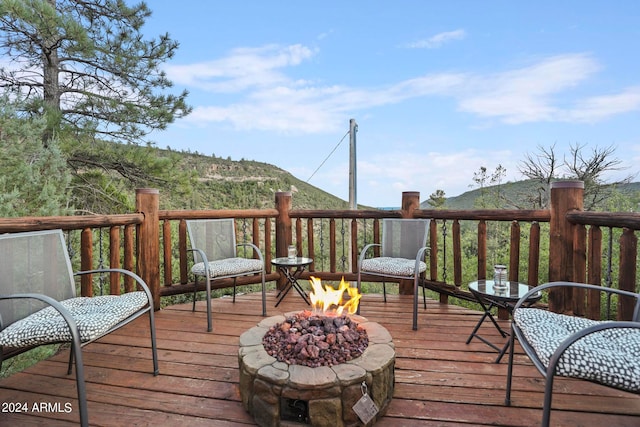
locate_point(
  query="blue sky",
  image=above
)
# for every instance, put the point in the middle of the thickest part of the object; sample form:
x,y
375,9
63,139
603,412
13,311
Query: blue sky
x,y
438,89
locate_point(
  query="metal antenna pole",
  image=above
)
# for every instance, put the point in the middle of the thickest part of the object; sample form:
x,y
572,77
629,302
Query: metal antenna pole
x,y
353,204
353,128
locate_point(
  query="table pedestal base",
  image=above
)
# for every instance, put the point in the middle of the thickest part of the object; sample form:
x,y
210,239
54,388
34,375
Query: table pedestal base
x,y
488,314
292,282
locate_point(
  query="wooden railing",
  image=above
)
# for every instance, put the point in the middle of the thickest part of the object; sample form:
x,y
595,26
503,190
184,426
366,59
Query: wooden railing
x,y
153,243
121,241
593,260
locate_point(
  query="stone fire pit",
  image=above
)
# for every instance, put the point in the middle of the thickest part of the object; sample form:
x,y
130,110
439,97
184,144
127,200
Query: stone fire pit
x,y
281,394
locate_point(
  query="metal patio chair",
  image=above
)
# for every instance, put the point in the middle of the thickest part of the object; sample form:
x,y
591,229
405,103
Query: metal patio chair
x,y
213,242
38,303
604,352
402,256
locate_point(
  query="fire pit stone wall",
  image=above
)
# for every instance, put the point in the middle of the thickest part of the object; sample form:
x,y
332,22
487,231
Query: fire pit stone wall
x,y
279,394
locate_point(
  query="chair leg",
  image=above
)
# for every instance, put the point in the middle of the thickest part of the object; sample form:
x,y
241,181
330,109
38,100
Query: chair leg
x,y
359,284
264,295
209,321
415,303
80,384
507,400
70,364
195,290
234,289
548,392
424,297
76,353
154,347
384,291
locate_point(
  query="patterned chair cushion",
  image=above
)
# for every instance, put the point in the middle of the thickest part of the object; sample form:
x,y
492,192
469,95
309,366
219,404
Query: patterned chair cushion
x,y
228,267
392,266
610,357
94,317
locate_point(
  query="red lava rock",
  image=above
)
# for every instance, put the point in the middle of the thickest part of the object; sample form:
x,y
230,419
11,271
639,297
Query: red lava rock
x,y
315,340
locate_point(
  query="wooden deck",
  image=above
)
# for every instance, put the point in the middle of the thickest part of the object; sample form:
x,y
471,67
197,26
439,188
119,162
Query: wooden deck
x,y
440,380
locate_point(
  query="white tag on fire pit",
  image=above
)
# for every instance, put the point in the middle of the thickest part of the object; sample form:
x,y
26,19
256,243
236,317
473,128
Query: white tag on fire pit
x,y
365,408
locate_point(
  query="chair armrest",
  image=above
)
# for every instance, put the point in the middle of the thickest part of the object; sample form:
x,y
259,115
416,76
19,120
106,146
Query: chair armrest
x,y
202,255
364,250
255,249
636,312
420,257
137,278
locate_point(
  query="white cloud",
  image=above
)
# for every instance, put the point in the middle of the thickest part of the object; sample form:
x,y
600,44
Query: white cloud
x,y
527,94
242,69
438,40
260,94
315,109
270,100
537,93
601,107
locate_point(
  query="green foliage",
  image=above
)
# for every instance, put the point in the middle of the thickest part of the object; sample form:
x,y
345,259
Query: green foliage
x,y
106,175
437,199
490,188
35,179
23,360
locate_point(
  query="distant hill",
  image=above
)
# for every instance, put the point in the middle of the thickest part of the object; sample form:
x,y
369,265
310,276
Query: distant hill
x,y
513,195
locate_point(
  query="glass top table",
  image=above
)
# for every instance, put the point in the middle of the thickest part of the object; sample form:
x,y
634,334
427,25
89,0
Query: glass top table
x,y
292,268
510,292
503,295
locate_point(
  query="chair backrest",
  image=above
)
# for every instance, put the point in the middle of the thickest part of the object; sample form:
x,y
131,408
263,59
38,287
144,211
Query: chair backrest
x,y
33,262
216,237
402,238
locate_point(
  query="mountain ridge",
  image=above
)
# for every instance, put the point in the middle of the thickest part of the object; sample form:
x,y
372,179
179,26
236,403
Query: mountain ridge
x,y
514,194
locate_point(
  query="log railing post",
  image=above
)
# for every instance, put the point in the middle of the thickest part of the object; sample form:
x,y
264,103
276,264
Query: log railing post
x,y
410,202
566,196
534,254
86,262
594,271
148,241
627,273
284,233
482,249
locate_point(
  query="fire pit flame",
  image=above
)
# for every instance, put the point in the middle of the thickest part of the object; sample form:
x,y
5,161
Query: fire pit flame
x,y
329,301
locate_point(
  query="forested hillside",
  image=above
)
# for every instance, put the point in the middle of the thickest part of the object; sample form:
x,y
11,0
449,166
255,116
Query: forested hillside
x,y
223,183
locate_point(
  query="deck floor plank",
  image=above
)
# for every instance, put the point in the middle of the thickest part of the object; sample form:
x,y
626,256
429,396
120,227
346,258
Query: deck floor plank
x,y
440,380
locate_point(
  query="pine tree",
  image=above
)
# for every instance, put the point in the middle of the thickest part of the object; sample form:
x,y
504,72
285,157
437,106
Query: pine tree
x,y
437,199
87,68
